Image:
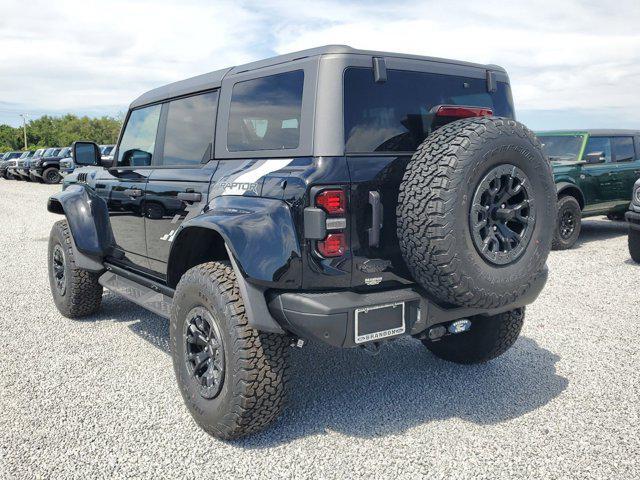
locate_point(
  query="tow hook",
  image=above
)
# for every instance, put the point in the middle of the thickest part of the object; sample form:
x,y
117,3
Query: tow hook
x,y
372,348
439,331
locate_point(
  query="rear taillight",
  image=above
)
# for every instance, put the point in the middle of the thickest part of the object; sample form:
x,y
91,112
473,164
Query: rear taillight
x,y
332,201
334,245
457,111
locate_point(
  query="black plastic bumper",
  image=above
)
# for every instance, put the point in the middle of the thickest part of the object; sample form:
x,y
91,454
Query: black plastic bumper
x,y
633,218
330,316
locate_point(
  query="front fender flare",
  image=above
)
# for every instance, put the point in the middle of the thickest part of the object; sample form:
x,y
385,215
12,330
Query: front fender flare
x,y
88,218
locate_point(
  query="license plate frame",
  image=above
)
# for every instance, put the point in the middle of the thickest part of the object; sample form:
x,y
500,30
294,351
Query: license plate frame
x,y
364,337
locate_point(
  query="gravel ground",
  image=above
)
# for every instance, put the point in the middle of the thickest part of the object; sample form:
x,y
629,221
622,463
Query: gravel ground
x,y
97,397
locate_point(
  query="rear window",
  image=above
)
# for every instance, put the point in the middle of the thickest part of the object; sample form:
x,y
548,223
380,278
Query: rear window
x,y
396,115
265,113
623,147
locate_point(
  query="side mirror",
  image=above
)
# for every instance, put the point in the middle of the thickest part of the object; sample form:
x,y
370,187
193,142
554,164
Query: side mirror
x,y
595,157
86,154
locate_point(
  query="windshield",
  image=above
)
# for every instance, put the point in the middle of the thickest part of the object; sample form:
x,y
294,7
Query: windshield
x,y
65,152
561,147
51,152
398,114
106,150
39,152
24,155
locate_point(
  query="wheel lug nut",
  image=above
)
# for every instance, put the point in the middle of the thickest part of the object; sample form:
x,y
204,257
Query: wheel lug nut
x,y
503,205
495,228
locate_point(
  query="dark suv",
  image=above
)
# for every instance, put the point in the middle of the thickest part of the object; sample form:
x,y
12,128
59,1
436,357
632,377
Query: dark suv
x,y
594,172
47,168
333,195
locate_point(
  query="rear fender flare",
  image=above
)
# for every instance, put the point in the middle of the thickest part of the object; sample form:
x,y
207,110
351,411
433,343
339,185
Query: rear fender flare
x,y
261,235
261,244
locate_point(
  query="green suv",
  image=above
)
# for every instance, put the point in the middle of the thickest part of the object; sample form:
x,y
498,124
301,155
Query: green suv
x,y
594,171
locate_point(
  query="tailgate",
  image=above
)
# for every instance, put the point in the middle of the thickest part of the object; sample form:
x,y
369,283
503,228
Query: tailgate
x,y
375,181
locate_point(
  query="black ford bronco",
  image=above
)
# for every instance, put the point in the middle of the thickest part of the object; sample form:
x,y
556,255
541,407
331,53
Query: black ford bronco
x,y
334,195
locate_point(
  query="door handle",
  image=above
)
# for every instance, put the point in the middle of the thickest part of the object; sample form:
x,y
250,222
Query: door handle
x,y
376,219
132,192
190,196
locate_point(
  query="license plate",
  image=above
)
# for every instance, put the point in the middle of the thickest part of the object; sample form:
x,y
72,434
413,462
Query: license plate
x,y
381,321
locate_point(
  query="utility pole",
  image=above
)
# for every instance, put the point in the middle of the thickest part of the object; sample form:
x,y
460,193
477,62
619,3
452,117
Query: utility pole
x,y
24,128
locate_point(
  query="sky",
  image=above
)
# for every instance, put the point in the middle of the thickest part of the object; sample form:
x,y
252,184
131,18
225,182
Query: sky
x,y
572,63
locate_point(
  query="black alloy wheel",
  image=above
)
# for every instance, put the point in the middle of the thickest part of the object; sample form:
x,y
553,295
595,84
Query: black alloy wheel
x,y
204,352
502,215
59,269
52,176
567,224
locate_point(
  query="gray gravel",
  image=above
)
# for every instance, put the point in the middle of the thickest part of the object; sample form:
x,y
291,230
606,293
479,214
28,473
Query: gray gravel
x,y
97,397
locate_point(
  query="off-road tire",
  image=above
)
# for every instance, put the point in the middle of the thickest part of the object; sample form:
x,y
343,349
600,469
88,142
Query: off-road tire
x,y
83,293
488,338
634,244
567,204
51,176
252,394
434,203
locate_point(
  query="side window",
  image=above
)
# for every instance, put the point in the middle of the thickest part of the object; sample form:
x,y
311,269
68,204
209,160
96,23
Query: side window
x,y
265,113
189,133
600,145
139,138
623,148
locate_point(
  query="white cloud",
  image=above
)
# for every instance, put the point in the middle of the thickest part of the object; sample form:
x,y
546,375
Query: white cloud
x,y
89,55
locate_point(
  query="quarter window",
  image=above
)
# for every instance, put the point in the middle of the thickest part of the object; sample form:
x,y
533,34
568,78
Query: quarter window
x,y
600,145
623,147
139,138
265,113
189,133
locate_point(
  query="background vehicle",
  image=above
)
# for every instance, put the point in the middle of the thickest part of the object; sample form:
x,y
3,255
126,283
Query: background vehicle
x,y
4,163
106,152
334,195
24,164
633,218
594,171
47,168
66,165
14,166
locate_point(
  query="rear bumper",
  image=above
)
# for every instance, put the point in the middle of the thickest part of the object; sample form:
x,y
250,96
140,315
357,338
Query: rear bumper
x,y
330,316
633,218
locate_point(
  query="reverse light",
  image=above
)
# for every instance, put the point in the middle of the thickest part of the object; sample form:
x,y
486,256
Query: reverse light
x,y
457,111
332,201
334,245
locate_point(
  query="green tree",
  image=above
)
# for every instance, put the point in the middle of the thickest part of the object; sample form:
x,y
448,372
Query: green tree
x,y
49,131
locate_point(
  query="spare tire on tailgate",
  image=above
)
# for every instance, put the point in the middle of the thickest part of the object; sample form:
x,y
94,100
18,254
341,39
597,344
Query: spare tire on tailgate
x,y
476,212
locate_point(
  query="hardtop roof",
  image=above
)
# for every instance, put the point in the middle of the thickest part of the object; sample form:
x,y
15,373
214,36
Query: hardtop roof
x,y
214,79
